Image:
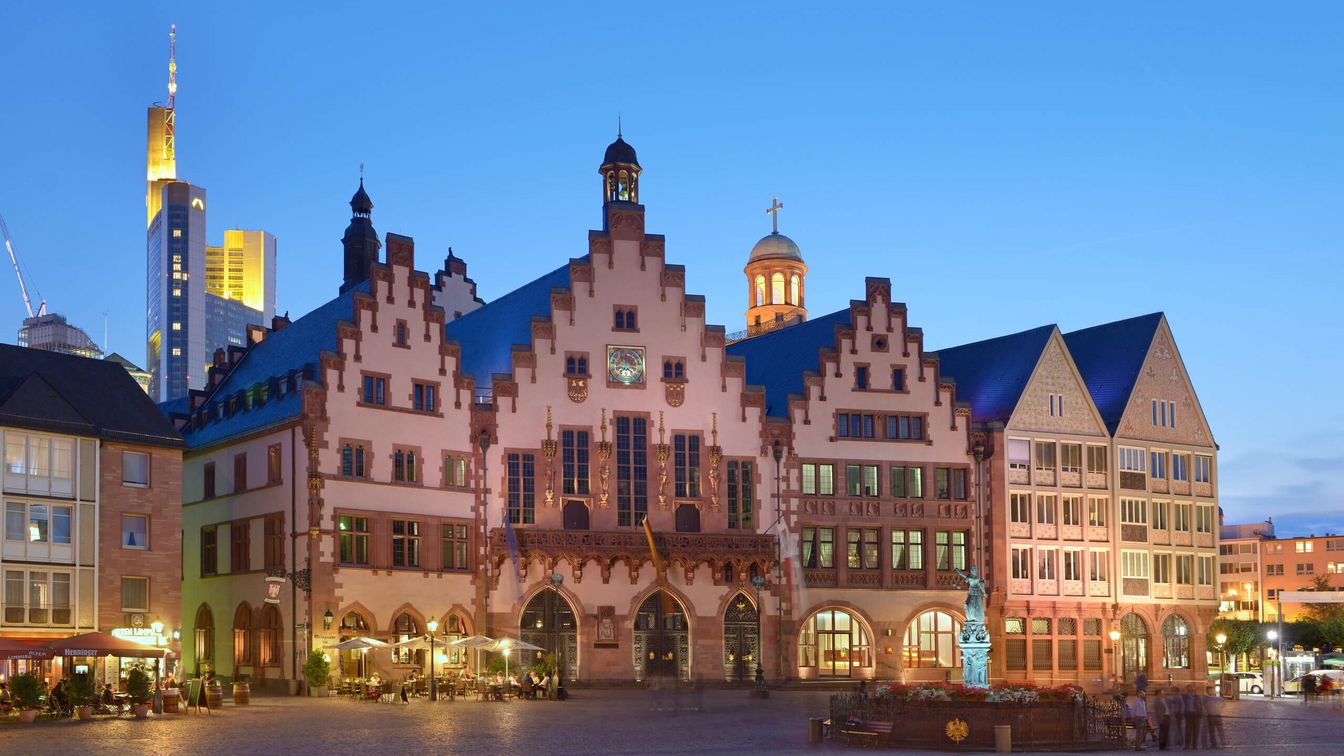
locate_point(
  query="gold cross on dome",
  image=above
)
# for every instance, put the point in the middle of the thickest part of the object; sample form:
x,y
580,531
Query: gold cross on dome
x,y
773,212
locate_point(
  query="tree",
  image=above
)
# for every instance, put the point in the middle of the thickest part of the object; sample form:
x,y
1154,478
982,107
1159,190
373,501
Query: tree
x,y
1322,612
1242,636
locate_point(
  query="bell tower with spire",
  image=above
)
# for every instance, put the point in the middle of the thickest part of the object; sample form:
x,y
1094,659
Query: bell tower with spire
x,y
620,178
360,240
775,277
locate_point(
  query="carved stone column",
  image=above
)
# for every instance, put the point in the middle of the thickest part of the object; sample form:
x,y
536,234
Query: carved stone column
x,y
548,449
662,451
603,454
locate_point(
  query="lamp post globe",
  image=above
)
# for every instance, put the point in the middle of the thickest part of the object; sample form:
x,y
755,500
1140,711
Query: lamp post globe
x,y
1115,656
433,626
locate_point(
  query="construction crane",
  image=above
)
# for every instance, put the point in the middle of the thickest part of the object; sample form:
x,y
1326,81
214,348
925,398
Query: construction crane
x,y
23,288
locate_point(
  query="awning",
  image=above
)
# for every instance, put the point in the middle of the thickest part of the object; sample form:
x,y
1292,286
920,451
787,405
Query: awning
x,y
102,644
13,648
1335,661
355,644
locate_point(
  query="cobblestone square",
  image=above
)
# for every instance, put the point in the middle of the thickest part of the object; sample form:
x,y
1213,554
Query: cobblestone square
x,y
594,721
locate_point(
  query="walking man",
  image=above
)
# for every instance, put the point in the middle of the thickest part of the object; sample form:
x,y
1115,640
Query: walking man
x,y
1214,737
1137,705
1176,707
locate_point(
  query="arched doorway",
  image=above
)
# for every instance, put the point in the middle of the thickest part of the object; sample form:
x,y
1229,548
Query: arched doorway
x,y
269,639
741,641
404,628
576,515
353,625
688,518
835,643
662,642
455,629
204,646
1133,647
548,621
1175,642
931,641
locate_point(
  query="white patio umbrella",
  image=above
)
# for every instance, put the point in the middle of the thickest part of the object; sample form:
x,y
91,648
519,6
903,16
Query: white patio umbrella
x,y
361,644
507,645
477,642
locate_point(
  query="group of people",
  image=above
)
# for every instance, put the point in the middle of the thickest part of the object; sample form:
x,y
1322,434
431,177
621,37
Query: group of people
x,y
58,699
1176,717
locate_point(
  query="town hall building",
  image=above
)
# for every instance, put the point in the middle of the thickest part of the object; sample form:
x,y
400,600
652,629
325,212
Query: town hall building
x,y
587,465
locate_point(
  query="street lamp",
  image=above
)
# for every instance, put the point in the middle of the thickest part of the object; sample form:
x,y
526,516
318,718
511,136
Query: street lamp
x,y
1115,656
508,649
327,619
778,453
433,625
1274,678
759,690
484,442
557,580
157,627
1221,640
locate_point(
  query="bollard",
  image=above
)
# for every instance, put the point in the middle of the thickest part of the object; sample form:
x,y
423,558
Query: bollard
x,y
814,729
1003,738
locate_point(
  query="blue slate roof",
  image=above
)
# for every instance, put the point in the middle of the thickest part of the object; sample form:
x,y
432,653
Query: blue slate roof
x,y
778,360
290,349
488,334
991,375
1109,357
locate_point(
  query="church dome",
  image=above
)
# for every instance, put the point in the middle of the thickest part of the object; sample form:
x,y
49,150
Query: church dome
x,y
361,203
620,151
775,246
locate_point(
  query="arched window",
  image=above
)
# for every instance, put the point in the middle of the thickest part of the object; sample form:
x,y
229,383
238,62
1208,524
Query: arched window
x,y
835,643
242,631
795,290
1175,643
353,624
931,641
455,630
611,186
205,636
404,629
777,288
760,291
623,186
548,621
268,636
1133,646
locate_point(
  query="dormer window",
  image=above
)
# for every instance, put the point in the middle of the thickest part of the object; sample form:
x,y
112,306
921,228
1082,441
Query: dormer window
x,y
576,364
624,319
674,369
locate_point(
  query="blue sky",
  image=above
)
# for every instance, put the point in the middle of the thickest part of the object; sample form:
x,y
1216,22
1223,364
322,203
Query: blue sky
x,y
1006,165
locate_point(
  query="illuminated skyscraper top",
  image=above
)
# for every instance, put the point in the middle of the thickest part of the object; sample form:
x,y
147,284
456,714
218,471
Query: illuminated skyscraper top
x,y
161,157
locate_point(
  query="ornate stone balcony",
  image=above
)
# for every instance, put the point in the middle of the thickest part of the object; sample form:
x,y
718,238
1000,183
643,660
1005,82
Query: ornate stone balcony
x,y
608,547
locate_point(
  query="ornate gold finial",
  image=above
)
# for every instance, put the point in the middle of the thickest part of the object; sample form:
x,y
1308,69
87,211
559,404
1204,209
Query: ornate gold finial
x,y
661,437
548,422
714,427
603,425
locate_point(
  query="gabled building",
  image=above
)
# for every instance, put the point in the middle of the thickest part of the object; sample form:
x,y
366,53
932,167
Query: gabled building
x,y
1165,486
1050,521
878,491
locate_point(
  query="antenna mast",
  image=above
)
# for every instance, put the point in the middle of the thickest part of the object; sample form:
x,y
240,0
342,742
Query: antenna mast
x,y
170,117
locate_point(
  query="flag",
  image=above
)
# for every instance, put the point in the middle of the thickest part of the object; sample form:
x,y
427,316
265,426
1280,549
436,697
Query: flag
x,y
653,550
512,541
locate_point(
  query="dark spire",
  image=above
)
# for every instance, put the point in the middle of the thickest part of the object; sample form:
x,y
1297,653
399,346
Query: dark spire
x,y
360,241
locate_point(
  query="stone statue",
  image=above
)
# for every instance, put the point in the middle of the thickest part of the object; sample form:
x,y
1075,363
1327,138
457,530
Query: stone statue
x,y
975,595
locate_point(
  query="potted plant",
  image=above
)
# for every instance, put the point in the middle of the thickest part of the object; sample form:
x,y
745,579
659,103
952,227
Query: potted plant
x,y
27,690
137,687
83,693
317,670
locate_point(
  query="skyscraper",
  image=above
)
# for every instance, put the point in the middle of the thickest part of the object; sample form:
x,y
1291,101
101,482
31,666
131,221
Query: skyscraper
x,y
198,298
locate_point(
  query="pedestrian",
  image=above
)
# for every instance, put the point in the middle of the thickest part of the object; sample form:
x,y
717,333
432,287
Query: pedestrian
x,y
1141,683
1194,714
1308,689
1176,707
1214,737
1162,712
1136,707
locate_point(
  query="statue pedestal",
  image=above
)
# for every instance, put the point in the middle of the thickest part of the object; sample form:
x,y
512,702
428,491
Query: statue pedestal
x,y
975,655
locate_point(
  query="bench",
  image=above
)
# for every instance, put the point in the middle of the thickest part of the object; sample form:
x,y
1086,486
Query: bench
x,y
867,733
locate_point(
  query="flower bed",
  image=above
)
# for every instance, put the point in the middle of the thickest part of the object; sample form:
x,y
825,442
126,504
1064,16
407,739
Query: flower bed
x,y
929,715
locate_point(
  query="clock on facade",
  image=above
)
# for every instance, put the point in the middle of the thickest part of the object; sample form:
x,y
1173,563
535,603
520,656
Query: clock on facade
x,y
625,365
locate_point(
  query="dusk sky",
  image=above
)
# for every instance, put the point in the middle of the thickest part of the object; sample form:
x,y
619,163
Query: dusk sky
x,y
1006,165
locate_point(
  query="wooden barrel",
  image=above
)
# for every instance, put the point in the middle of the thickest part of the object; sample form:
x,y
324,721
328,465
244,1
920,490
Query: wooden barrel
x,y
242,694
171,696
214,696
